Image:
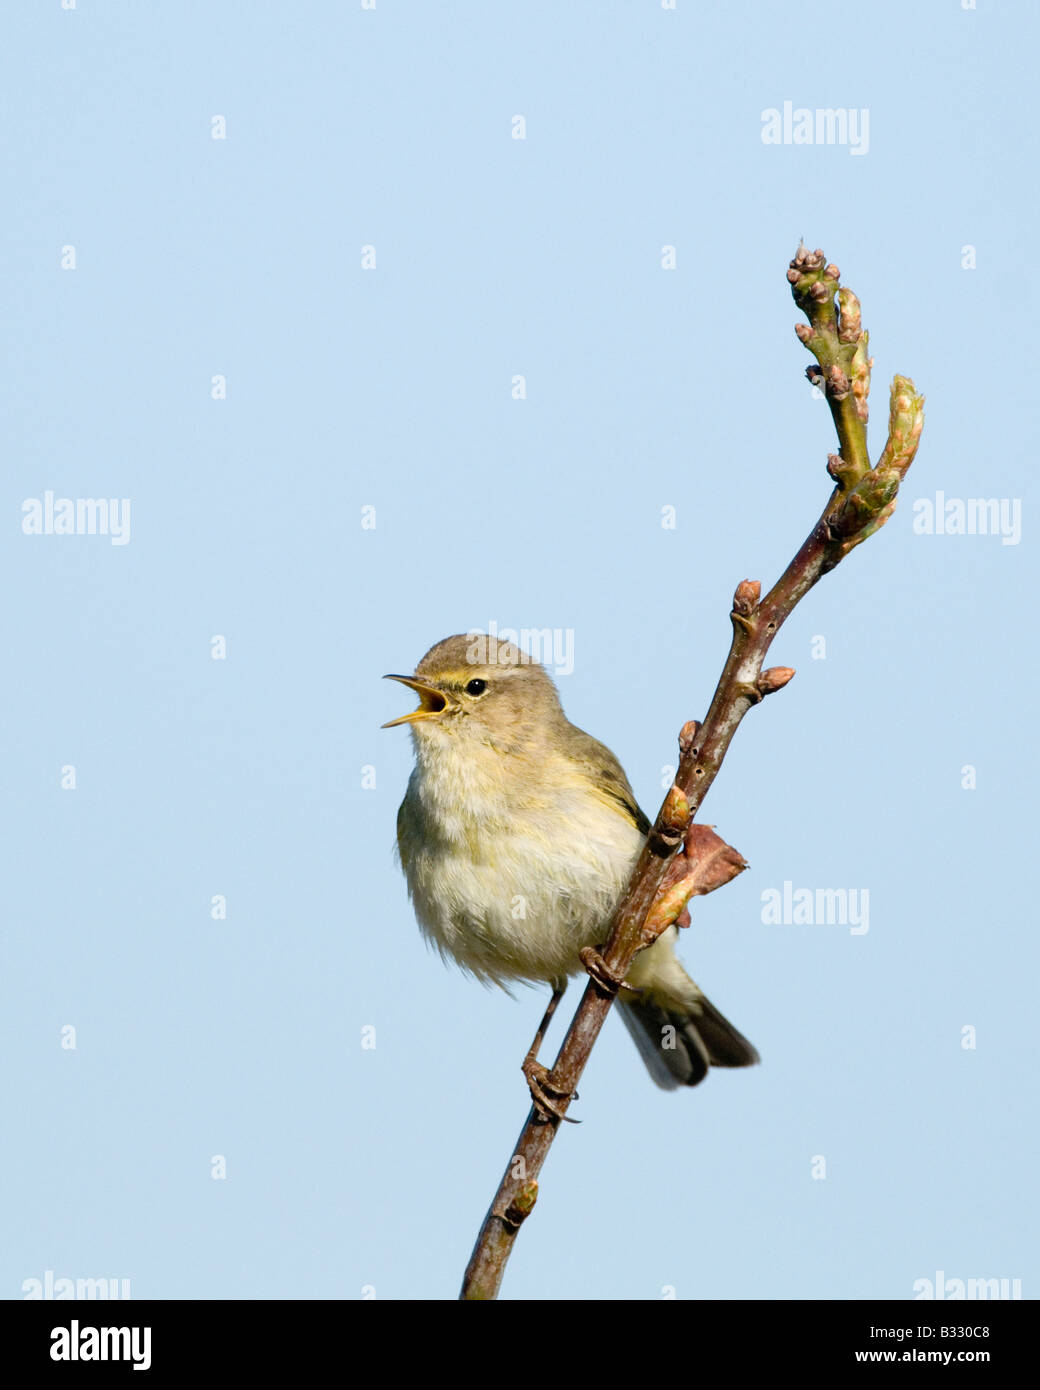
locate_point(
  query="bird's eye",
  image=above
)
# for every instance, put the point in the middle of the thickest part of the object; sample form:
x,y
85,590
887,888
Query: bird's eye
x,y
476,687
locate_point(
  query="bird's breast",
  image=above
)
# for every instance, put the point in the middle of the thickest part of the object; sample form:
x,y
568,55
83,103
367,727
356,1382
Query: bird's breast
x,y
511,881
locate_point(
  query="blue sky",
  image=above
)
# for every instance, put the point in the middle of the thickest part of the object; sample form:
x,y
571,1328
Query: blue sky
x,y
392,388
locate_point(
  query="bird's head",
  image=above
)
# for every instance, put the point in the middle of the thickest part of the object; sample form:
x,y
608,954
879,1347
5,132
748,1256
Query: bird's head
x,y
475,687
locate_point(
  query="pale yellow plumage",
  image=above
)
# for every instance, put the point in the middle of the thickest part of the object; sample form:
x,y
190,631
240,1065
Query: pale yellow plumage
x,y
517,834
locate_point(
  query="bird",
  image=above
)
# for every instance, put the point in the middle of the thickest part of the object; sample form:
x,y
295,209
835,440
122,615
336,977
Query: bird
x,y
517,835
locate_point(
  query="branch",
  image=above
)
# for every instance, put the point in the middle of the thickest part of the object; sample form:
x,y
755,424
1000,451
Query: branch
x,y
862,501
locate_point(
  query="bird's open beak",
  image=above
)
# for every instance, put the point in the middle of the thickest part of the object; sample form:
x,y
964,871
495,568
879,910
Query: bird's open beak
x,y
433,702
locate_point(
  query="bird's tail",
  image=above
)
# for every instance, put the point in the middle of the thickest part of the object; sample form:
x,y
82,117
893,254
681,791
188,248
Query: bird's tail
x,y
680,1040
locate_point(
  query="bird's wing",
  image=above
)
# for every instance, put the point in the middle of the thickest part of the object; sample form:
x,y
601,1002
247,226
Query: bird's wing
x,y
402,836
605,769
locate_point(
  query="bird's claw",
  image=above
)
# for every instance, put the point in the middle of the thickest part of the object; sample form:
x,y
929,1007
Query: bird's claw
x,y
601,974
542,1091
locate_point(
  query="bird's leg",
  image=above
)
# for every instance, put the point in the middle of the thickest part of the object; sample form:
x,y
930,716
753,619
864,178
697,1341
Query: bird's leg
x,y
558,990
537,1075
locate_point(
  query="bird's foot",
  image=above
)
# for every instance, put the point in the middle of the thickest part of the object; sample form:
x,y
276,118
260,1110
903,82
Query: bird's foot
x,y
543,1091
602,975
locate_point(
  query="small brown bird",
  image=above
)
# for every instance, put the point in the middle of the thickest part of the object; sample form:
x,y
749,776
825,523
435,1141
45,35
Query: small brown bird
x,y
517,835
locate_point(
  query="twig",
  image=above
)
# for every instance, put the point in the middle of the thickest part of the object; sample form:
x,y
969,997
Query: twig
x,y
862,501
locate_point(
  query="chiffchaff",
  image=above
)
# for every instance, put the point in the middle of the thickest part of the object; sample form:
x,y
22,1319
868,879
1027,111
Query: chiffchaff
x,y
517,835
